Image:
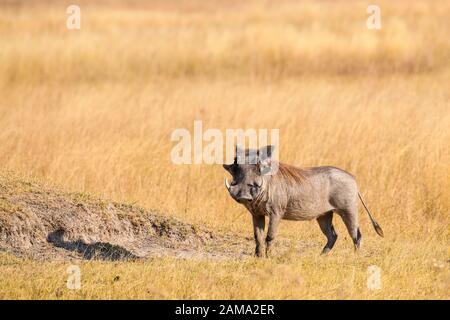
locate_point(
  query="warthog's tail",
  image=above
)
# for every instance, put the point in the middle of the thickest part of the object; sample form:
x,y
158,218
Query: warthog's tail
x,y
374,223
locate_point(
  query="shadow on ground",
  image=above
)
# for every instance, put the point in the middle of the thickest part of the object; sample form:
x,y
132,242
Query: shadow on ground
x,y
96,250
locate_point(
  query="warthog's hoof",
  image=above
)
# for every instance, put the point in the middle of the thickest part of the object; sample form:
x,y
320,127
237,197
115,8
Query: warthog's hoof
x,y
259,254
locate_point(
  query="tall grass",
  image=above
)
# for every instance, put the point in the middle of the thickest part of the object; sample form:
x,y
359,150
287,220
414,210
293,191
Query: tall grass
x,y
92,110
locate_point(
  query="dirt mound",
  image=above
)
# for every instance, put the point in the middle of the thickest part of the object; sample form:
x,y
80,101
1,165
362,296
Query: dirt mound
x,y
41,223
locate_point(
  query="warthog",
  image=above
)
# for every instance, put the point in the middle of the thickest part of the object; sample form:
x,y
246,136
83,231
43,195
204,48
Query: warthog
x,y
294,194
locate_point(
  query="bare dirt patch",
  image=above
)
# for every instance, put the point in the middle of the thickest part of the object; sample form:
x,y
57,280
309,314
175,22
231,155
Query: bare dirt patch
x,y
41,223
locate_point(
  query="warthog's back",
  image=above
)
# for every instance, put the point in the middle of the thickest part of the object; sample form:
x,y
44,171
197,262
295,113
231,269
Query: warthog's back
x,y
323,189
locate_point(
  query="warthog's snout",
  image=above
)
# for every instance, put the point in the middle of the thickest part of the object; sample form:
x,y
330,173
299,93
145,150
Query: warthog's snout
x,y
244,199
238,193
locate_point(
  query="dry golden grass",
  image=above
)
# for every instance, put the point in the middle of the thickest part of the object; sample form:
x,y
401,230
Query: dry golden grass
x,y
92,110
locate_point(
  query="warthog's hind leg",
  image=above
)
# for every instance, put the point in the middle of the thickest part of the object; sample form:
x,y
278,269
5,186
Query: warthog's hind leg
x,y
350,218
326,225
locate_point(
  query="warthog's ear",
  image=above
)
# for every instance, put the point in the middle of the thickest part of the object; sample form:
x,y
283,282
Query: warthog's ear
x,y
265,159
265,152
227,167
239,150
240,155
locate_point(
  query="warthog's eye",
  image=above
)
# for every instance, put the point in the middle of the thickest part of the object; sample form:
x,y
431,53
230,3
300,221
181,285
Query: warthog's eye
x,y
254,189
233,183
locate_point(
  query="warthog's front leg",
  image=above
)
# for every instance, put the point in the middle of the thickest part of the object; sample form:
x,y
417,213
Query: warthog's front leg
x,y
259,223
272,232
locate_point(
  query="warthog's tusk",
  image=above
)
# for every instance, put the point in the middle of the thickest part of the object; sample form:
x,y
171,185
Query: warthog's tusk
x,y
227,184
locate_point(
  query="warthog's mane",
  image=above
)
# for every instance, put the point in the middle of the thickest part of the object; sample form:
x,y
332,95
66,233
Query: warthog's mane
x,y
290,173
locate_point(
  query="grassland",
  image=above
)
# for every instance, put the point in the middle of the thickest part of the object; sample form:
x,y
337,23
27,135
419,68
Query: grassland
x,y
92,110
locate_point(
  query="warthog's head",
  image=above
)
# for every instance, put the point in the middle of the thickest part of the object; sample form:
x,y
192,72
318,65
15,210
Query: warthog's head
x,y
248,170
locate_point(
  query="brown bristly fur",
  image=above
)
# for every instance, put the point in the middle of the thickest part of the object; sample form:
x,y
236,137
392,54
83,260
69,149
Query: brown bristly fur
x,y
290,173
